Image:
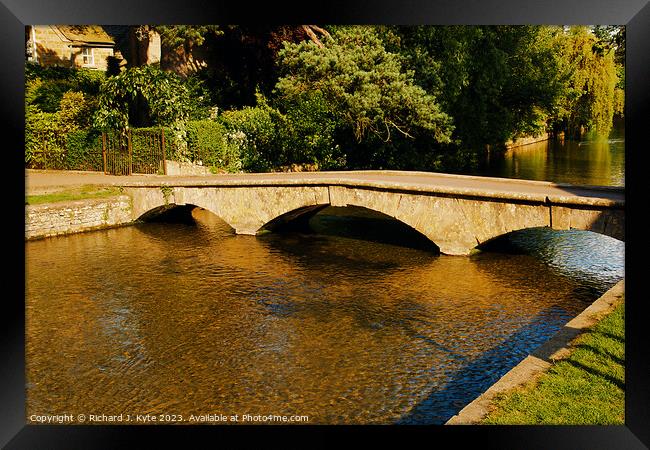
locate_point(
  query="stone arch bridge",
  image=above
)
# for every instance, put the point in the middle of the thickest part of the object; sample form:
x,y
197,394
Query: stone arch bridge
x,y
456,212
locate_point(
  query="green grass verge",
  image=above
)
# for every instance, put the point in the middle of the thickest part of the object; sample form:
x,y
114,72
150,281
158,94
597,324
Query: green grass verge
x,y
77,193
588,387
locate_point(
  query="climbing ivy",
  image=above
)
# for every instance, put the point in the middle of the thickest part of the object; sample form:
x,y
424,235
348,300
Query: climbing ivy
x,y
167,192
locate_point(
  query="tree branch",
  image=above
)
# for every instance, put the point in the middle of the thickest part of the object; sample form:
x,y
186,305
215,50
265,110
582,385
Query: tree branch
x,y
399,129
309,29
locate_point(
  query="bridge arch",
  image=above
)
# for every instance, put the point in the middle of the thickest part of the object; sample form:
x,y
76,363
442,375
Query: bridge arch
x,y
379,227
455,222
535,238
176,213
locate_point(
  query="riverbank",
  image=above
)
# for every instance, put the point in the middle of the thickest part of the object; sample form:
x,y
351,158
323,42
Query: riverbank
x,y
66,202
586,388
520,142
562,382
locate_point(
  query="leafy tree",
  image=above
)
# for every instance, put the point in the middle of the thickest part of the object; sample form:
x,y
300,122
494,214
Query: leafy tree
x,y
497,82
610,37
163,94
185,36
589,100
364,83
159,97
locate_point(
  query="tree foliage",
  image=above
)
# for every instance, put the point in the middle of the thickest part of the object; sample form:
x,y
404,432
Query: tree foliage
x,y
162,93
589,99
497,82
364,84
175,36
402,97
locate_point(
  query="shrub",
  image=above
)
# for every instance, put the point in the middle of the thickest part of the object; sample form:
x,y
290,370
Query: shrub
x,y
210,143
54,82
253,130
268,138
307,133
75,111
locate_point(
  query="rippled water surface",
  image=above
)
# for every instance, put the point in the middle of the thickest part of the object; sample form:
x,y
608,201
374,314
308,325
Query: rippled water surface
x,y
342,325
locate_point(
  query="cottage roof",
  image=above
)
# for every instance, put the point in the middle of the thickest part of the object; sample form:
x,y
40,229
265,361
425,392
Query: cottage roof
x,y
86,34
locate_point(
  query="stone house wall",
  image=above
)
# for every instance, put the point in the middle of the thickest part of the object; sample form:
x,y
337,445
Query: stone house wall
x,y
54,49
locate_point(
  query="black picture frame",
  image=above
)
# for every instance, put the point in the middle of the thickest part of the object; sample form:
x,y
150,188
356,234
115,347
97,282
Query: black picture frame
x,y
15,14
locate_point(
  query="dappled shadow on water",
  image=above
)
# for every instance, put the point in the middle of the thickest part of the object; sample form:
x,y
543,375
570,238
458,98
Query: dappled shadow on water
x,y
476,376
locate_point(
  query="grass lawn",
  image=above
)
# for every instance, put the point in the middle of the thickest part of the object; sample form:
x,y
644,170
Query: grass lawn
x,y
76,193
588,387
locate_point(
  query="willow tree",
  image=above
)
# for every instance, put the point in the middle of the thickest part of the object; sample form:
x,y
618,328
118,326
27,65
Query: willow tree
x,y
589,101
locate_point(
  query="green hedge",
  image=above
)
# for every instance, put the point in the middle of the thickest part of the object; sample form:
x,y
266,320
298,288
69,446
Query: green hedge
x,y
84,150
253,130
210,143
44,143
50,149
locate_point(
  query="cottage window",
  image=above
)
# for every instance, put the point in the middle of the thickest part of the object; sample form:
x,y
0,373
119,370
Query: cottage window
x,y
87,56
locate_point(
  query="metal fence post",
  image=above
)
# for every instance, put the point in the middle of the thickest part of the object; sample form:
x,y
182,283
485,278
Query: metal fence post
x,y
104,151
162,144
130,167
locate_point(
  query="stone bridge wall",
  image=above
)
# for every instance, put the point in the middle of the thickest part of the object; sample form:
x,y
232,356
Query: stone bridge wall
x,y
455,223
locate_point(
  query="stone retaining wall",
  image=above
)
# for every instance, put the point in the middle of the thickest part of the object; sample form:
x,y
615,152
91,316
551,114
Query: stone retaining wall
x,y
76,216
176,168
527,140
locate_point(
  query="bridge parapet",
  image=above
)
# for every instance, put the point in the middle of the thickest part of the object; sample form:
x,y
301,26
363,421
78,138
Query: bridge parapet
x,y
457,213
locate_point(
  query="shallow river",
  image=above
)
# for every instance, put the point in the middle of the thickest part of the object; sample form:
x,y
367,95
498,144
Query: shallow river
x,y
357,322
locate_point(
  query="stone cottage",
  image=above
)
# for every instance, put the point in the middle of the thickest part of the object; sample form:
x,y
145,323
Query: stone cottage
x,y
99,47
79,46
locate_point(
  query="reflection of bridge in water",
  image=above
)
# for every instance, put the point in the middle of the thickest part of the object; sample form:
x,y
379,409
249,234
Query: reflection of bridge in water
x,y
455,212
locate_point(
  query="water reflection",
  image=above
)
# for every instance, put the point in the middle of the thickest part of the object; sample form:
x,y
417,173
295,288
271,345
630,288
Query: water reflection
x,y
591,161
192,319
